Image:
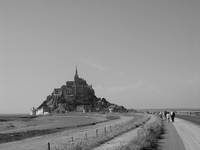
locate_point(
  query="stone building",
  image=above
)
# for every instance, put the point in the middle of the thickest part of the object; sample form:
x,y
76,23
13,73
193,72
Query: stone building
x,y
77,88
57,92
76,92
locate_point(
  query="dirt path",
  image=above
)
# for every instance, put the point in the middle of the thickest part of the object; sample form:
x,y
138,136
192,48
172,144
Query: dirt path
x,y
40,143
189,133
121,140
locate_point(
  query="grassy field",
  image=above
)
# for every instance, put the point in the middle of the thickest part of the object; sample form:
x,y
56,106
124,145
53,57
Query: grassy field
x,y
18,127
95,141
147,137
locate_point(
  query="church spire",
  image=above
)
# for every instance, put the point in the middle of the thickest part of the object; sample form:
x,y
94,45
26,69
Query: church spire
x,y
76,75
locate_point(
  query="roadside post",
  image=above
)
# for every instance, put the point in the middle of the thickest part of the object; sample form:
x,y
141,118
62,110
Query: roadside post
x,y
96,132
86,136
49,146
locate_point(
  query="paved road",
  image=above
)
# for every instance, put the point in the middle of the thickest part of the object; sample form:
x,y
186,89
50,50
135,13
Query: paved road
x,y
170,139
180,135
189,133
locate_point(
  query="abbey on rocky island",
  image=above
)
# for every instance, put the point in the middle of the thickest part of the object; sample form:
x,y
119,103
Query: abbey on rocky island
x,y
74,89
75,95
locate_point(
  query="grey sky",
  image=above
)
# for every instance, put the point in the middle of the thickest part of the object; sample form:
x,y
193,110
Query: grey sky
x,y
140,54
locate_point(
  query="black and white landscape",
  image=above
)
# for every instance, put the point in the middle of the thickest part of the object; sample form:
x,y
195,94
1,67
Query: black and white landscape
x,y
82,75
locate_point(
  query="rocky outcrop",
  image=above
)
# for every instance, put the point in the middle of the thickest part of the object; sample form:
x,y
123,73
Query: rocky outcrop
x,y
61,105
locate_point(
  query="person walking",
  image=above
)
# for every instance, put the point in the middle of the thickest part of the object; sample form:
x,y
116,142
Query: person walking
x,y
172,116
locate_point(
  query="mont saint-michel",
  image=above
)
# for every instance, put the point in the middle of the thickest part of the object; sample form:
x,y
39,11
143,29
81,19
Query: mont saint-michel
x,y
68,69
76,95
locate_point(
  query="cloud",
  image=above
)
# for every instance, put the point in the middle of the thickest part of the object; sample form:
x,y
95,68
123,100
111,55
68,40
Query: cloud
x,y
120,88
94,65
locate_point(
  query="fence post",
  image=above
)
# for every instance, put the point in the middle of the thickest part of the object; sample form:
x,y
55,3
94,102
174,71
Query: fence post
x,y
96,132
86,135
110,128
49,146
105,130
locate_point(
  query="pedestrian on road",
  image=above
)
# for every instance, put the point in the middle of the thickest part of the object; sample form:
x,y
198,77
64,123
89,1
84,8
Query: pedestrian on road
x,y
168,117
172,116
164,115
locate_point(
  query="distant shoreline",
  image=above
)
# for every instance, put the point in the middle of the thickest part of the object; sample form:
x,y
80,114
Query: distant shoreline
x,y
177,109
17,114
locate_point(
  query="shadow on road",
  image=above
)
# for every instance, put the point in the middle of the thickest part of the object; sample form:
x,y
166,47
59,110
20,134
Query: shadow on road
x,y
169,140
